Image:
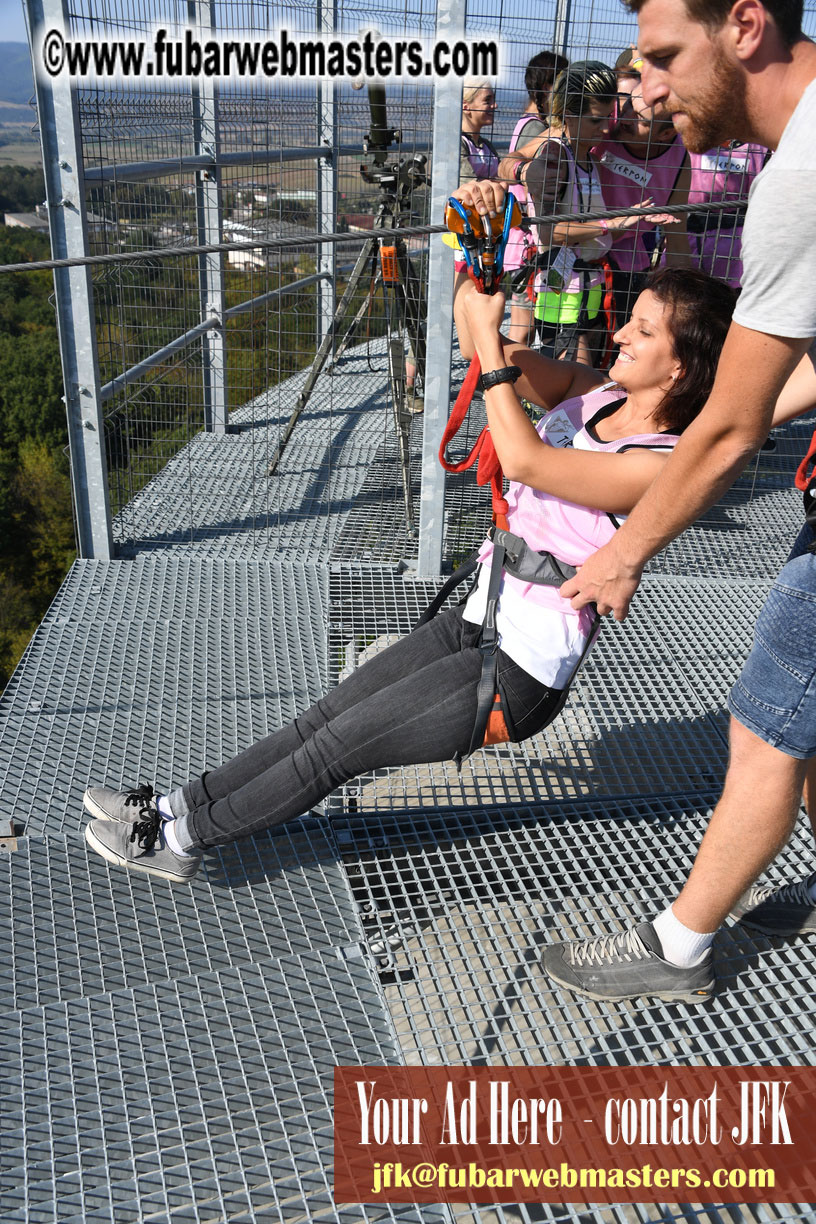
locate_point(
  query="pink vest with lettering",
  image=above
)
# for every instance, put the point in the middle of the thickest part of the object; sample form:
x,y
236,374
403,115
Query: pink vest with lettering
x,y
627,180
725,173
518,241
722,174
569,531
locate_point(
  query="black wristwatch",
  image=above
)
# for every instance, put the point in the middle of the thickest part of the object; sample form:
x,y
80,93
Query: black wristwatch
x,y
491,378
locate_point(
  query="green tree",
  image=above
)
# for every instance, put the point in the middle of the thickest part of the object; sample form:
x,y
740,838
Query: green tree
x,y
21,189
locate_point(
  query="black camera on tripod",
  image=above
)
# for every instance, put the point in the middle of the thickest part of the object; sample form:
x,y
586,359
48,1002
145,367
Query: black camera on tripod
x,y
398,178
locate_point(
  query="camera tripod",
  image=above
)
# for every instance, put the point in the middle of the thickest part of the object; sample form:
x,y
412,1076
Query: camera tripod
x,y
384,261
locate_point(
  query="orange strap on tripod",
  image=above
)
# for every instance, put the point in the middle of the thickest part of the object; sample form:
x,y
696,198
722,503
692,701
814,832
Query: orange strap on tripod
x,y
483,453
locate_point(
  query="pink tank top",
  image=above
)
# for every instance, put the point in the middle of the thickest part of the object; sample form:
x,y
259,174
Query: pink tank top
x,y
549,643
627,180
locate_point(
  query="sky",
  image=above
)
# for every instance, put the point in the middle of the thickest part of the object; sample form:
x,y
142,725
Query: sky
x,y
12,22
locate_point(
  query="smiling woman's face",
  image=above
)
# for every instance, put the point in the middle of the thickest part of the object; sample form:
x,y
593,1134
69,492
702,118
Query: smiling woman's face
x,y
646,360
482,107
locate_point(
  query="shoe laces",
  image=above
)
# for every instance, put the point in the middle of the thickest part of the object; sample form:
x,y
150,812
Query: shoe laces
x,y
146,832
141,797
795,893
605,949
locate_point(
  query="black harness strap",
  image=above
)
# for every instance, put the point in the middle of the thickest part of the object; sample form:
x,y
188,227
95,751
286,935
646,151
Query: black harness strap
x,y
489,647
512,555
458,576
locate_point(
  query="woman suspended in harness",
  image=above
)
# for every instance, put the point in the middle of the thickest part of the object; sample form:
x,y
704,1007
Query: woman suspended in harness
x,y
572,478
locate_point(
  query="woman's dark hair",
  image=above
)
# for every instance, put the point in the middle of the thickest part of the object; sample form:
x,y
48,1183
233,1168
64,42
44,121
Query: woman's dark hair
x,y
584,81
539,76
787,14
700,309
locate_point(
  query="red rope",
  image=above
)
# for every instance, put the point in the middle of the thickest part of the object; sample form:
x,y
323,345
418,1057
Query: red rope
x,y
483,453
609,311
802,479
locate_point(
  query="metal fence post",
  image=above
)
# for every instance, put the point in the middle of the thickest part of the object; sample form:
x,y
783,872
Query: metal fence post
x,y
209,230
562,26
447,123
327,168
68,222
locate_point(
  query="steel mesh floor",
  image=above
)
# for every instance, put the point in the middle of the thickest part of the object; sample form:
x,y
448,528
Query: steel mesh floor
x,y
204,1098
457,906
81,929
336,491
156,669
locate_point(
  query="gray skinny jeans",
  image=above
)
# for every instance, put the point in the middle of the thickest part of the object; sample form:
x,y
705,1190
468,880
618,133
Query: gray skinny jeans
x,y
415,702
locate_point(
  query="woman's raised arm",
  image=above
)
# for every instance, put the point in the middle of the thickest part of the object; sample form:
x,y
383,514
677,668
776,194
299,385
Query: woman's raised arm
x,y
543,381
602,481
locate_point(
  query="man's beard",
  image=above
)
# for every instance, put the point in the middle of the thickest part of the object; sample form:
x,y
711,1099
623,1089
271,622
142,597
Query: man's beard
x,y
722,115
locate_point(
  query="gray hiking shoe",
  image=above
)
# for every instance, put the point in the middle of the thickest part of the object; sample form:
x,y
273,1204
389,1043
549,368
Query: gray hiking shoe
x,y
140,846
778,911
414,402
105,803
626,966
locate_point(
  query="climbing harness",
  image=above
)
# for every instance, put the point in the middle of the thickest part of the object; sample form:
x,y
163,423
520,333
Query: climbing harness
x,y
511,555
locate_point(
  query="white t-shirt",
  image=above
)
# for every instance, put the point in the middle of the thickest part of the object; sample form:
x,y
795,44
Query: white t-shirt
x,y
779,239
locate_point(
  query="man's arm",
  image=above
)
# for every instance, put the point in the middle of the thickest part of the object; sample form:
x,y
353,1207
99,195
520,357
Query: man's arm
x,y
714,449
799,393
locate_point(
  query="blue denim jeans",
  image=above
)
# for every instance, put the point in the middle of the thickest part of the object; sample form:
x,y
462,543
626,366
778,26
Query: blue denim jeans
x,y
775,694
413,703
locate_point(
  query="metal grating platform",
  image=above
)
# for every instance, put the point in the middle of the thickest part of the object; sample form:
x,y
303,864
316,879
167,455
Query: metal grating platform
x,y
81,929
156,669
338,476
179,1100
457,906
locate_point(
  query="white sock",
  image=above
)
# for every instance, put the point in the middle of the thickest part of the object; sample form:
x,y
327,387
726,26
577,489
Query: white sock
x,y
682,946
164,808
172,841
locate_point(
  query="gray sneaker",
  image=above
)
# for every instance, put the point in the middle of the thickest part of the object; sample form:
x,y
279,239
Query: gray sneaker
x,y
625,966
141,847
414,402
105,803
778,911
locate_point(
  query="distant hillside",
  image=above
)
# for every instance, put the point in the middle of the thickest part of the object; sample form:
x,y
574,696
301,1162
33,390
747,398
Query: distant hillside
x,y
16,79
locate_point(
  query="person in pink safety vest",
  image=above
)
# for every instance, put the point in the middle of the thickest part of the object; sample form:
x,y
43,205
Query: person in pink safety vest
x,y
723,173
479,159
541,71
643,160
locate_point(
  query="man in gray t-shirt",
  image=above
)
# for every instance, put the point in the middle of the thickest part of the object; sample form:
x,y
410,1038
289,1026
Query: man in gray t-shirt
x,y
779,237
747,74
